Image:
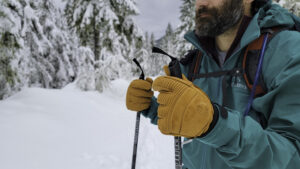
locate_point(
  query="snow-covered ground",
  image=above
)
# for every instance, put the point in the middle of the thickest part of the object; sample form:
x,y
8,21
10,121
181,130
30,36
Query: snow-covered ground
x,y
71,129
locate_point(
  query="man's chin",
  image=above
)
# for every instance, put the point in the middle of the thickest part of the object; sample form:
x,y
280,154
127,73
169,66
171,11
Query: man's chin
x,y
204,21
207,31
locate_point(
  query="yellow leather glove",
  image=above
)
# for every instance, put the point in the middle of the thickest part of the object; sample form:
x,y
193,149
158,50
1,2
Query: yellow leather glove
x,y
139,94
184,109
167,70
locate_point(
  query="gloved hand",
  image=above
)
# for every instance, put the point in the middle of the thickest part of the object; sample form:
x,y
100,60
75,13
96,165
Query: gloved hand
x,y
139,94
184,109
167,70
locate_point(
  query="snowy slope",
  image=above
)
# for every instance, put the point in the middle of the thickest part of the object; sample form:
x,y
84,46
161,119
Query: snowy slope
x,y
71,129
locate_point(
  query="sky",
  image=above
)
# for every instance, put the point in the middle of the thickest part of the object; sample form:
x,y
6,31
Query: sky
x,y
156,14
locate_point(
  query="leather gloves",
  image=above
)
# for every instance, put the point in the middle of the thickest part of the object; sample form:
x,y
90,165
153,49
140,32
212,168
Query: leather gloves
x,y
184,110
139,94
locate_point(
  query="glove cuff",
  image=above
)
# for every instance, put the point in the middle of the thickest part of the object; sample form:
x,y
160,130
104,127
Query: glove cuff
x,y
217,110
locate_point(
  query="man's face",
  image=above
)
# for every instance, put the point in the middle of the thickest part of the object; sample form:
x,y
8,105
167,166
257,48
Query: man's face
x,y
214,17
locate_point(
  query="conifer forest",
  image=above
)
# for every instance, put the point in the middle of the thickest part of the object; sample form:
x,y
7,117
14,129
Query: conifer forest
x,y
51,43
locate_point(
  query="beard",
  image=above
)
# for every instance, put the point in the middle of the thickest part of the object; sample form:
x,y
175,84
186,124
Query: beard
x,y
212,22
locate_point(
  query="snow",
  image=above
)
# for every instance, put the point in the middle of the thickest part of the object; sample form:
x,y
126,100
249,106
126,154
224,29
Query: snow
x,y
72,129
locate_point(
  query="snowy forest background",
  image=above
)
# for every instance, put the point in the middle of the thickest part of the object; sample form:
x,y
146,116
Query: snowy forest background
x,y
51,43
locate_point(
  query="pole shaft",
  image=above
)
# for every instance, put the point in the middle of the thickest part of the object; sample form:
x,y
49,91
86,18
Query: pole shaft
x,y
136,139
178,152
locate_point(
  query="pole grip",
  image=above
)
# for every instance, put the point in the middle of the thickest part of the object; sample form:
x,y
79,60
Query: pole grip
x,y
174,68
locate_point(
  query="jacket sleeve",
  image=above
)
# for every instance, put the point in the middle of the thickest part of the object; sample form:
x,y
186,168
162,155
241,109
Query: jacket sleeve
x,y
240,141
151,112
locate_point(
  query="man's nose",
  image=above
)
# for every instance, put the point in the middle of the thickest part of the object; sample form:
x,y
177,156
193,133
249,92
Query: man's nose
x,y
201,3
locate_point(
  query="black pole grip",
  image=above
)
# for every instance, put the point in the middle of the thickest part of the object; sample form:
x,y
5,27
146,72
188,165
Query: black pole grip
x,y
142,76
174,68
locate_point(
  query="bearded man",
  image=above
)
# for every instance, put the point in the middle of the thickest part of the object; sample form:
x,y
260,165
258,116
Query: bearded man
x,y
210,108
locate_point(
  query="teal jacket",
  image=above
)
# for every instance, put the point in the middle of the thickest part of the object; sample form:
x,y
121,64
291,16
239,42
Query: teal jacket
x,y
238,141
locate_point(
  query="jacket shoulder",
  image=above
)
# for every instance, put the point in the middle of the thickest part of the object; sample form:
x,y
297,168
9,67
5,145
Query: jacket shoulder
x,y
282,55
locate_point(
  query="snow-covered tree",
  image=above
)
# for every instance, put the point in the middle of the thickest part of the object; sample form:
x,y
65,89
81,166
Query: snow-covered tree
x,y
93,22
52,51
152,62
130,37
42,52
187,18
291,5
147,60
107,27
168,41
9,45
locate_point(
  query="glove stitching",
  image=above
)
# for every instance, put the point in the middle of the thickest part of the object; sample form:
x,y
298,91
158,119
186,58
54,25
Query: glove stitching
x,y
182,115
170,120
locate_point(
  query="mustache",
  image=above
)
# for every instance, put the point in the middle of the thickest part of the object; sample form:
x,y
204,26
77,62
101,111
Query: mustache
x,y
205,10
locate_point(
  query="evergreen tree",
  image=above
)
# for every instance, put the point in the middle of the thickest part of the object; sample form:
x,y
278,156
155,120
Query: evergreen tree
x,y
154,58
131,38
108,29
150,59
38,49
168,41
292,5
42,51
93,21
50,48
8,48
187,19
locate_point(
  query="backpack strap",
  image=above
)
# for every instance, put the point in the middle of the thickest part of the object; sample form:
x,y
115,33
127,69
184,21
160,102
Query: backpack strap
x,y
195,68
251,60
194,58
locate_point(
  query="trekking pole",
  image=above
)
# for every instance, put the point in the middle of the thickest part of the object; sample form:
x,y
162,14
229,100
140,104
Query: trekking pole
x,y
137,123
175,71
